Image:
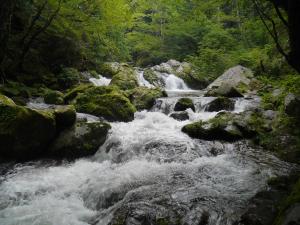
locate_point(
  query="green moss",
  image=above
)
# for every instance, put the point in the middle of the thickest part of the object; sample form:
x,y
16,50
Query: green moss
x,y
144,98
183,104
54,97
107,102
24,132
74,92
5,100
125,79
68,77
109,69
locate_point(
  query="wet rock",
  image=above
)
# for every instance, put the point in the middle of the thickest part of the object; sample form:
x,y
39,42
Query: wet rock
x,y
220,103
144,98
266,206
125,79
82,139
107,102
152,77
181,116
292,105
184,104
74,92
24,133
65,116
54,97
213,130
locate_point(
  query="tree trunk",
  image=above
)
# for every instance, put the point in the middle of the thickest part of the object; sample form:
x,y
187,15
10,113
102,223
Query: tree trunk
x,y
294,32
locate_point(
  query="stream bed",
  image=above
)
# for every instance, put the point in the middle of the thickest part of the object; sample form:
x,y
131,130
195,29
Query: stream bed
x,y
147,172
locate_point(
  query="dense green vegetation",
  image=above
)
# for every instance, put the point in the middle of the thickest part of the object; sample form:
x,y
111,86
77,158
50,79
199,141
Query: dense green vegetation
x,y
42,37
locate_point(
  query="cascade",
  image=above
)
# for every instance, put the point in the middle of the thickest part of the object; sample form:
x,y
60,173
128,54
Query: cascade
x,y
147,169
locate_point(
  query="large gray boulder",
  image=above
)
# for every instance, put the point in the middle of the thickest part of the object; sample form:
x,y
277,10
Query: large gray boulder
x,y
232,83
82,139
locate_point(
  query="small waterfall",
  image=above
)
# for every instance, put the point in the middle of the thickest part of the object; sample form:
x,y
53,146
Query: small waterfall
x,y
101,81
142,81
174,83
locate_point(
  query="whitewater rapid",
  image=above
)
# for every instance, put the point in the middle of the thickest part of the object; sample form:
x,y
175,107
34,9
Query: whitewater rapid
x,y
146,170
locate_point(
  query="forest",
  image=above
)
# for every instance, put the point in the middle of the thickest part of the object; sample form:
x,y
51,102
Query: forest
x,y
149,112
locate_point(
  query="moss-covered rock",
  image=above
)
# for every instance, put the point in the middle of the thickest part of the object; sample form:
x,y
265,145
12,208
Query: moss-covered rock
x,y
153,79
6,101
68,77
144,98
125,79
54,97
109,69
82,139
74,92
184,104
181,116
225,90
24,133
65,116
218,128
16,89
220,103
107,102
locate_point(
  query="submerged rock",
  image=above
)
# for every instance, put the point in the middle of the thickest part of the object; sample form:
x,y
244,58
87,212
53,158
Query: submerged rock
x,y
220,103
107,102
24,132
184,104
181,116
82,139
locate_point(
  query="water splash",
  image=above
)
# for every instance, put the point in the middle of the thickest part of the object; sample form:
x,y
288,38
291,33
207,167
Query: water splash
x,y
101,81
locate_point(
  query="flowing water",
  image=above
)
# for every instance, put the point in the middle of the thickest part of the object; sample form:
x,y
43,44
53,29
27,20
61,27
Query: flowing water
x,y
147,172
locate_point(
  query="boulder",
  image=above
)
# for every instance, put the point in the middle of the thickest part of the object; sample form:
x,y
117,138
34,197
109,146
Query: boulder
x,y
181,116
65,116
54,97
232,83
292,105
184,104
82,139
144,98
125,79
24,133
220,103
214,129
225,90
151,76
74,92
107,102
109,69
